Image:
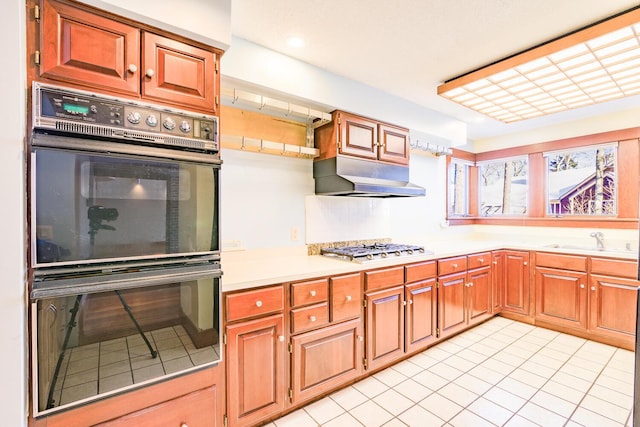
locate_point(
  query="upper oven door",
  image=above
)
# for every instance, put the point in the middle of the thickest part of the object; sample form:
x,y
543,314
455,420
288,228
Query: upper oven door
x,y
117,202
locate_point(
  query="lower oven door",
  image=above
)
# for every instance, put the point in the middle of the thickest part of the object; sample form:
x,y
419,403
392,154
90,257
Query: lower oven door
x,y
93,341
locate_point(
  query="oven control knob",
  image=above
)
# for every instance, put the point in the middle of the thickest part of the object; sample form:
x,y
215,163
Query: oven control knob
x,y
134,117
185,126
152,120
93,109
169,123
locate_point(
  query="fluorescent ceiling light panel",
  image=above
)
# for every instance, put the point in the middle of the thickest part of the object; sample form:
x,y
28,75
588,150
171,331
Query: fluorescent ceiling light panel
x,y
595,64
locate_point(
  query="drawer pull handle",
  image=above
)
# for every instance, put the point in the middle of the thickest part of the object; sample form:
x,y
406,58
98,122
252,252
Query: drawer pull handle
x,y
454,265
312,318
281,338
481,260
258,303
312,293
347,298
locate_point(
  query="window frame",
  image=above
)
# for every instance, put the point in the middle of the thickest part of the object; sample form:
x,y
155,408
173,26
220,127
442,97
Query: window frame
x,y
628,171
502,160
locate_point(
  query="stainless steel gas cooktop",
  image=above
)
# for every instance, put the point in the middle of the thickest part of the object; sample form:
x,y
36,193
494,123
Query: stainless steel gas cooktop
x,y
373,252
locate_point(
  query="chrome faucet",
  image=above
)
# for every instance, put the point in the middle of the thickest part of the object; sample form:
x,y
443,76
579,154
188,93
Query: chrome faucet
x,y
599,239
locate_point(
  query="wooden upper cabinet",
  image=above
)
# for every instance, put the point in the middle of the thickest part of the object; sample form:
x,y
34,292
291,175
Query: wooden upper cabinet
x,y
393,144
97,52
178,72
352,135
79,47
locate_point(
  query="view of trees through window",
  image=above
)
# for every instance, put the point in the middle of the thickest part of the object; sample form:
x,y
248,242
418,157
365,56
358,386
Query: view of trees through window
x,y
458,193
582,182
503,187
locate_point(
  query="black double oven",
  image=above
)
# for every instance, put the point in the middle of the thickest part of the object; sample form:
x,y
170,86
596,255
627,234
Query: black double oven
x,y
124,270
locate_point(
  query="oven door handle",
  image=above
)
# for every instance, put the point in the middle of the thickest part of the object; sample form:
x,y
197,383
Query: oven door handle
x,y
64,287
94,145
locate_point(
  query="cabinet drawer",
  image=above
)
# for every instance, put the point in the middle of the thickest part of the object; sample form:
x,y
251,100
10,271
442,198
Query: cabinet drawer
x,y
254,303
614,267
565,262
420,271
311,292
346,297
310,317
452,265
380,279
478,260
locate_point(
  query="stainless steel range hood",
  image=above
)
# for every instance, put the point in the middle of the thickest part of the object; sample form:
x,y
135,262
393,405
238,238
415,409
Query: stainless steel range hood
x,y
350,176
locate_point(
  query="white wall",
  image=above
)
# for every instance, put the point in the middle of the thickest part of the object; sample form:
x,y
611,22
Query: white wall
x,y
13,369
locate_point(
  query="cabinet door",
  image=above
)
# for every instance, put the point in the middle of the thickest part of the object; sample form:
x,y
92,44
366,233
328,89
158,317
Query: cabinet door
x,y
83,48
420,317
516,283
385,326
452,313
479,294
498,274
357,136
179,73
613,305
561,297
346,297
176,412
394,144
255,370
325,359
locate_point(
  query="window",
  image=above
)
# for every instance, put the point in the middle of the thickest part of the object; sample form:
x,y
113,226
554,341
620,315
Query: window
x,y
582,181
503,186
458,188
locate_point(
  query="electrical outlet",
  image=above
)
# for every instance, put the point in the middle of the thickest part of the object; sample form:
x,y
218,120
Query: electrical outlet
x,y
293,234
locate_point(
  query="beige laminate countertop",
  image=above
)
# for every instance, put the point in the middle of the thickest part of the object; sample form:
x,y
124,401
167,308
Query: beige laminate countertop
x,y
259,267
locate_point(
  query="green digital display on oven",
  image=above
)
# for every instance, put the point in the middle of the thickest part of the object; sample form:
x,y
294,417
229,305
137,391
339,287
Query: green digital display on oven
x,y
73,108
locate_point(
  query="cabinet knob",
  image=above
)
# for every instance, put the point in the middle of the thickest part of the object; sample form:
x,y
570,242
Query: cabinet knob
x,y
184,425
132,68
258,303
312,293
360,338
495,262
281,338
347,298
410,301
481,259
525,263
454,265
312,318
149,72
593,288
404,303
581,285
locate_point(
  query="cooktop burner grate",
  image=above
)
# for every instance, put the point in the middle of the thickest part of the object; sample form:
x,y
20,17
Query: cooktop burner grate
x,y
376,251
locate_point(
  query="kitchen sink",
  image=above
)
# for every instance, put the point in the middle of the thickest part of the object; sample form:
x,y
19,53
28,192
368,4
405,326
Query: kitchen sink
x,y
593,248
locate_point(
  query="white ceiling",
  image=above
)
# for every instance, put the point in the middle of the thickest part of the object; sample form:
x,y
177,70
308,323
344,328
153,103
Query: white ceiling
x,y
407,48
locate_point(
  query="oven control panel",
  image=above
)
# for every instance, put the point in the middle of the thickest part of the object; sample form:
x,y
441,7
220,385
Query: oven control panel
x,y
63,109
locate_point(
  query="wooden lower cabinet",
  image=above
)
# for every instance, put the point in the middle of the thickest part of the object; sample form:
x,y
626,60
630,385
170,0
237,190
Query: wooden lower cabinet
x,y
193,410
420,314
385,326
561,297
255,370
612,309
452,313
516,283
326,358
479,295
498,278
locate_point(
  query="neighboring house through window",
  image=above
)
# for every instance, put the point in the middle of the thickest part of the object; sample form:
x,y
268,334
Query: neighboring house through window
x,y
582,181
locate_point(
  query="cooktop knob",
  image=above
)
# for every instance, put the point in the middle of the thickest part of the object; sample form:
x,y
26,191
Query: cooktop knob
x,y
185,126
169,123
134,117
152,120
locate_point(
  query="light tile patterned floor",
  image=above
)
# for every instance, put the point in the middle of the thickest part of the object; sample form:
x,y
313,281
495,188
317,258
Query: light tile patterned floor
x,y
501,373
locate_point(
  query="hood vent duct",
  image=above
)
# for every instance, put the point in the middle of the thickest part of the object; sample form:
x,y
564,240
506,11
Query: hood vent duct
x,y
350,176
